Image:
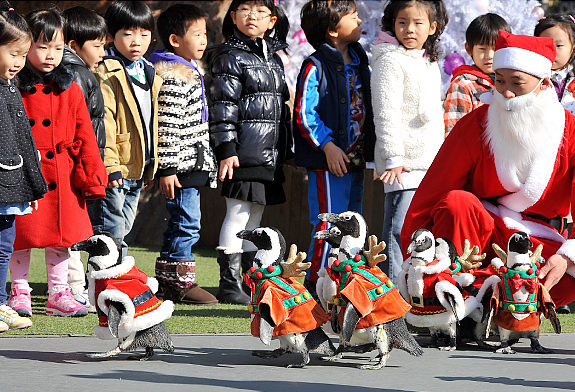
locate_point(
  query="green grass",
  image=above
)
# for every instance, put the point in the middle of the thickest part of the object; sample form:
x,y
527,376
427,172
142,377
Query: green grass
x,y
187,319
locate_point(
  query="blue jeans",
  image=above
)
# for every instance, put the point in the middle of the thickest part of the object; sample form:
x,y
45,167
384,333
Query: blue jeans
x,y
7,234
396,205
114,214
184,225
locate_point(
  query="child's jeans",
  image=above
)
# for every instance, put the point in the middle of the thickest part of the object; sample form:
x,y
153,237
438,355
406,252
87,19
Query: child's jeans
x,y
396,205
183,230
329,193
114,214
7,234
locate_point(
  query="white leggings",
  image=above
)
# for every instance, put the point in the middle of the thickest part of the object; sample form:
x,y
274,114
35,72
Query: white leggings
x,y
240,215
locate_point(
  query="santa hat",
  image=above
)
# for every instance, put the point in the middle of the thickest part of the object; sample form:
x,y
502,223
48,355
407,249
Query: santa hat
x,y
533,55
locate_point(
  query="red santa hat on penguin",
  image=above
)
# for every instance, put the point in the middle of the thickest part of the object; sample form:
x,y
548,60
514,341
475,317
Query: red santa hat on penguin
x,y
533,55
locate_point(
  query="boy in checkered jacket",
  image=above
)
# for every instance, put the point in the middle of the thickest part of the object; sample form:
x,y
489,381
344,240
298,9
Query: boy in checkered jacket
x,y
468,82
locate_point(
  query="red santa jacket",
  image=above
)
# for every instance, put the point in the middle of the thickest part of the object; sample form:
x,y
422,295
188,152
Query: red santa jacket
x,y
70,161
126,284
370,291
292,308
465,162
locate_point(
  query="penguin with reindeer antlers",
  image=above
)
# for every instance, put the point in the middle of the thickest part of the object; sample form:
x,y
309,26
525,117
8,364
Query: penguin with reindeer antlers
x,y
367,309
280,306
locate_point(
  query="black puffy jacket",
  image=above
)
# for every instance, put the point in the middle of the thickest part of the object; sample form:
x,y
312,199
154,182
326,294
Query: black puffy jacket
x,y
92,94
249,116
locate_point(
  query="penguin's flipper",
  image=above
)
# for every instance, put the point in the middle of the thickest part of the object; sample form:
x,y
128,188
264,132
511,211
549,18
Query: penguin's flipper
x,y
451,301
335,319
266,324
553,318
350,319
115,312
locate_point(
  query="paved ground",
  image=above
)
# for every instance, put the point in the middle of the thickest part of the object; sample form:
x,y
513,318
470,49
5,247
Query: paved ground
x,y
224,363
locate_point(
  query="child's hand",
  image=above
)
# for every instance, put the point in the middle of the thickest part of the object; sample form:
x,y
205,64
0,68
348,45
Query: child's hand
x,y
227,167
168,185
336,159
34,205
114,183
390,175
148,184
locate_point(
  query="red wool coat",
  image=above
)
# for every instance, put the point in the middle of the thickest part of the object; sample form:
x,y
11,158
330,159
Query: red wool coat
x,y
70,161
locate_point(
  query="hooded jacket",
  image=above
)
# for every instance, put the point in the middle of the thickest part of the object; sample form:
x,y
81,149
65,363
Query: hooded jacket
x,y
249,116
92,94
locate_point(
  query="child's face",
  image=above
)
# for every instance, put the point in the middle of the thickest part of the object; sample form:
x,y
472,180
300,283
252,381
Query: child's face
x,y
562,44
412,26
45,56
348,28
193,43
482,56
253,19
13,57
132,43
92,52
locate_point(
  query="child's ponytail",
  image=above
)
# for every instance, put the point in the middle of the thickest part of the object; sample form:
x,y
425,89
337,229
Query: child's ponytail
x,y
13,26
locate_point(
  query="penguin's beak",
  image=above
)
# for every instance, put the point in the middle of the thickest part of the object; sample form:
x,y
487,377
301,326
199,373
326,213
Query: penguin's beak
x,y
410,247
82,245
245,235
329,217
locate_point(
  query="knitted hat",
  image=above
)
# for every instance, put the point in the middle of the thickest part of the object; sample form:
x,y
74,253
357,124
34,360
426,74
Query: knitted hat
x,y
533,55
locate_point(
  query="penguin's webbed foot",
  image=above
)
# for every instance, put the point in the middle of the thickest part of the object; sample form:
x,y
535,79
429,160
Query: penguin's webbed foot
x,y
269,353
505,350
305,361
447,348
537,348
143,357
107,354
381,363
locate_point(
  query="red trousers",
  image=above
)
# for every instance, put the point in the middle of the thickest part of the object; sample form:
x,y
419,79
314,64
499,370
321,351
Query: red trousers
x,y
460,215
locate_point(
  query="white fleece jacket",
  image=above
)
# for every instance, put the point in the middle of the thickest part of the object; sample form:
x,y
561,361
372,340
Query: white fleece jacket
x,y
406,98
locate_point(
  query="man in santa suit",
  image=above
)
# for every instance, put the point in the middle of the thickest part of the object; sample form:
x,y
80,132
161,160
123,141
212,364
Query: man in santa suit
x,y
507,166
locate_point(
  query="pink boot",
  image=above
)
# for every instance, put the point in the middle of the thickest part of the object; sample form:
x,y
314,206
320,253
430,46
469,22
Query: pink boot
x,y
61,303
21,301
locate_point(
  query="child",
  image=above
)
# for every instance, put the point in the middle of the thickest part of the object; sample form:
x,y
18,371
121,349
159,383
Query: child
x,y
406,92
562,29
248,130
186,160
71,164
85,36
21,181
130,89
333,118
469,82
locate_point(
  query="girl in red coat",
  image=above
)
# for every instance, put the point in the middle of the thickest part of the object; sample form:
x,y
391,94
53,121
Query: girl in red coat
x,y
70,162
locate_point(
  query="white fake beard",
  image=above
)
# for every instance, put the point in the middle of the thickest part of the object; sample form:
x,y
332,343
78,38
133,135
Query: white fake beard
x,y
515,136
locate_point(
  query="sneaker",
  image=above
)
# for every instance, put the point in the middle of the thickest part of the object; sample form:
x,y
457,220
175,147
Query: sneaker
x,y
61,303
3,326
82,297
12,319
21,301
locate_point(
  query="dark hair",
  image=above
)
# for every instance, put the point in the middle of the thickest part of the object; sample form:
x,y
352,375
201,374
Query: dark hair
x,y
562,21
13,26
176,19
228,25
129,15
45,24
318,18
436,12
82,24
483,30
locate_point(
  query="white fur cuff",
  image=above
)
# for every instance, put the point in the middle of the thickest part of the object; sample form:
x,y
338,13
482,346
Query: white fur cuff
x,y
568,250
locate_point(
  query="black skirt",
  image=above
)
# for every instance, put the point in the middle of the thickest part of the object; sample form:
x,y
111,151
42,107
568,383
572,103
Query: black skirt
x,y
266,193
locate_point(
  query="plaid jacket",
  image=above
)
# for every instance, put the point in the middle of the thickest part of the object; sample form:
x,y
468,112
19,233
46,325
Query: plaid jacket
x,y
467,85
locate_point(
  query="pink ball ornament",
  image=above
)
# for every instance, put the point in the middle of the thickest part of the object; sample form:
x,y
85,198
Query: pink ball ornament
x,y
452,61
538,12
481,6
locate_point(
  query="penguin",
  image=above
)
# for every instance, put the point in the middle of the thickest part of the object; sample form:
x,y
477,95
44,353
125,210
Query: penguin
x,y
382,336
136,322
519,299
428,283
280,306
326,288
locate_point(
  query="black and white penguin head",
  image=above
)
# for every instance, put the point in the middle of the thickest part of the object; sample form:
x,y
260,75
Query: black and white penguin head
x,y
104,251
270,243
353,230
332,236
518,256
422,247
